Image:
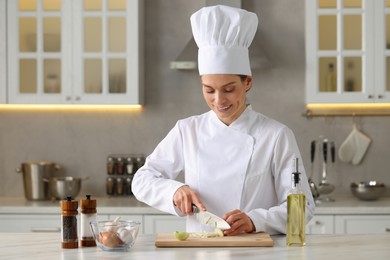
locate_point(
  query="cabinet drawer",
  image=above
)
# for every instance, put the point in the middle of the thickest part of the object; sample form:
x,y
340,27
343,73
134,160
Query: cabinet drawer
x,y
154,224
30,223
321,224
362,224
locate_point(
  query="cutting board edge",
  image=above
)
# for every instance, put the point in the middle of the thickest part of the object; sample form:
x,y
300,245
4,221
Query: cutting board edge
x,y
165,245
264,242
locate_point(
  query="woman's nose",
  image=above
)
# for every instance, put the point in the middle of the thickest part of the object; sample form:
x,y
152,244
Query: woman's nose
x,y
219,97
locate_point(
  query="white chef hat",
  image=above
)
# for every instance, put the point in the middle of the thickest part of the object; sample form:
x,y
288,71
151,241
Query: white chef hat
x,y
223,35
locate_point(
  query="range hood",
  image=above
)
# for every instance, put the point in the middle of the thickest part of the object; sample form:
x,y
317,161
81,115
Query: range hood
x,y
188,57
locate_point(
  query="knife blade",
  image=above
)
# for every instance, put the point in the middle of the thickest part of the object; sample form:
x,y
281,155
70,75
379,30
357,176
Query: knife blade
x,y
210,219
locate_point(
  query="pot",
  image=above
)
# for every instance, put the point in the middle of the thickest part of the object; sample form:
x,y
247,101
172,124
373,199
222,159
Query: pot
x,y
63,187
35,179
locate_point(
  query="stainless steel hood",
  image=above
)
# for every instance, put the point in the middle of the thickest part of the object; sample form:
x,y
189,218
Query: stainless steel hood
x,y
187,59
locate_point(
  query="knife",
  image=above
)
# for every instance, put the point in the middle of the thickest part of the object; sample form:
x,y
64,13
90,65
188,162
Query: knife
x,y
210,219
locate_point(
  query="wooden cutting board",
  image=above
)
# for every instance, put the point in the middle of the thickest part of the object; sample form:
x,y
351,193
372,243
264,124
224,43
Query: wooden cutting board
x,y
244,240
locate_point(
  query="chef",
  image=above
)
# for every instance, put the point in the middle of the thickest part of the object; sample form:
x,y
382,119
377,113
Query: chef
x,y
237,162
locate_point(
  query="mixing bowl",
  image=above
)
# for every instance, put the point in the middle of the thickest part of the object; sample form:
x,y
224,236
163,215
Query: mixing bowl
x,y
370,190
115,235
63,187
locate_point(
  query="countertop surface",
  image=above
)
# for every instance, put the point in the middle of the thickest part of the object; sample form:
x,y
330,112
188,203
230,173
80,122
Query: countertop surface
x,y
105,205
48,246
130,205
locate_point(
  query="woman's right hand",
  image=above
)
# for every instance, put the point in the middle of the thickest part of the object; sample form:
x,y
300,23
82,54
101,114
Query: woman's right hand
x,y
184,198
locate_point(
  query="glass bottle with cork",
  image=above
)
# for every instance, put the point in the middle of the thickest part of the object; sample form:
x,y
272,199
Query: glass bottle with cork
x,y
296,211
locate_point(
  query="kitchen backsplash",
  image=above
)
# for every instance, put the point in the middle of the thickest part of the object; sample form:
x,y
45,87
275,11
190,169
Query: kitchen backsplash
x,y
81,141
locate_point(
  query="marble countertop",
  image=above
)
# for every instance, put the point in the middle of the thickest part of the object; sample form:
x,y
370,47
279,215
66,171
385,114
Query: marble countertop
x,y
105,205
48,246
129,205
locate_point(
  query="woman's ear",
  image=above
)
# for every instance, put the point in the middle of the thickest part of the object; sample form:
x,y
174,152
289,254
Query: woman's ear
x,y
248,83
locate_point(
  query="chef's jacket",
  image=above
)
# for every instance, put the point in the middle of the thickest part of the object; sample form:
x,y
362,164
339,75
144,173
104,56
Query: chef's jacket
x,y
246,165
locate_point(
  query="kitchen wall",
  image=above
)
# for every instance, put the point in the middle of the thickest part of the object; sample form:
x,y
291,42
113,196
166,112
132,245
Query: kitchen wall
x,y
80,141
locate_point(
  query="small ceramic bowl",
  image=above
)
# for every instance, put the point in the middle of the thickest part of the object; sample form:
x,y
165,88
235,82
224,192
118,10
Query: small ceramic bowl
x,y
115,236
370,190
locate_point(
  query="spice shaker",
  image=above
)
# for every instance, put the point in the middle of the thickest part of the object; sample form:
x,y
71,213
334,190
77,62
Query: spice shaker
x,y
110,166
88,214
110,186
69,223
120,166
130,165
120,186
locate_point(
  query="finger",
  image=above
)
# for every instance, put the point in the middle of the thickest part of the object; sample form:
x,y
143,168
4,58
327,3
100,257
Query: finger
x,y
197,202
230,213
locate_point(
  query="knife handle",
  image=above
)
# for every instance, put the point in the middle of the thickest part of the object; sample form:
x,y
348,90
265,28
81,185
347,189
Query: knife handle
x,y
195,209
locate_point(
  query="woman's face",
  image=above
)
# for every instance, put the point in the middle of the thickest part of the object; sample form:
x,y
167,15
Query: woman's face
x,y
225,94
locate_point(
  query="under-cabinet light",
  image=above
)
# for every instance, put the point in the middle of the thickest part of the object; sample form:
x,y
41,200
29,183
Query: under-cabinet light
x,y
71,107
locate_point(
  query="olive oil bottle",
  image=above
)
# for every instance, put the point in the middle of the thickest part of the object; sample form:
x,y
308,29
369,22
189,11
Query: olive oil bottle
x,y
296,211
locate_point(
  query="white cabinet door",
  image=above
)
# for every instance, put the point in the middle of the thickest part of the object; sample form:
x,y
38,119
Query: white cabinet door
x,y
154,224
347,51
30,223
321,224
72,52
362,224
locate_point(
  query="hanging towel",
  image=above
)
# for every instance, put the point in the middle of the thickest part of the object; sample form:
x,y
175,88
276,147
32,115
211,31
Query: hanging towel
x,y
355,146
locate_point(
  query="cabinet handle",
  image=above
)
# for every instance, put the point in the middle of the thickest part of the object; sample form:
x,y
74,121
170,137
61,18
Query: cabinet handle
x,y
44,230
78,98
380,96
387,229
318,223
68,98
370,96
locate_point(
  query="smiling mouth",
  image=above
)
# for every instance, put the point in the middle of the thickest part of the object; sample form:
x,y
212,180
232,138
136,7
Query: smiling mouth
x,y
223,108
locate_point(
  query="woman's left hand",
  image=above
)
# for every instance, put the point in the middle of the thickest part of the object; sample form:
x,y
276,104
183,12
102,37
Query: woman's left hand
x,y
239,222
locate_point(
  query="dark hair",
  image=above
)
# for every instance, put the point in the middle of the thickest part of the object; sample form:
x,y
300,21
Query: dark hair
x,y
243,77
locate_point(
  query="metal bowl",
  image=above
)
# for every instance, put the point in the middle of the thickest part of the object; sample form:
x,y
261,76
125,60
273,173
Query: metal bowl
x,y
370,190
63,187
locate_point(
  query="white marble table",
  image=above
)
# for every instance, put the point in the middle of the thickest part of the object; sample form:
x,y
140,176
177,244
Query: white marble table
x,y
48,246
343,204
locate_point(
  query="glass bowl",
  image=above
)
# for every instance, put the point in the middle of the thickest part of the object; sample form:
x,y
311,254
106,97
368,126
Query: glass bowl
x,y
115,236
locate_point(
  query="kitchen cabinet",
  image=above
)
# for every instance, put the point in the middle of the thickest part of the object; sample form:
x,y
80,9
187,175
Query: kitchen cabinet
x,y
347,51
163,224
362,224
73,52
321,224
30,223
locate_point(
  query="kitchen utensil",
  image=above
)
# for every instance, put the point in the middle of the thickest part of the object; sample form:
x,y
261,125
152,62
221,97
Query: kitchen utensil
x,y
313,186
119,235
210,219
242,240
34,175
63,187
324,187
370,190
